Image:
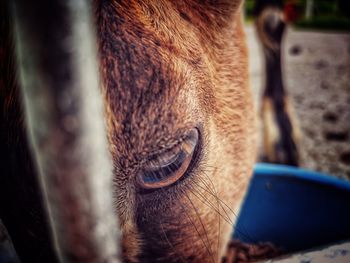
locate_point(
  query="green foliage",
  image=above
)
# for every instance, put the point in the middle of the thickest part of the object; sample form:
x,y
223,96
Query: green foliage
x,y
327,14
325,23
249,7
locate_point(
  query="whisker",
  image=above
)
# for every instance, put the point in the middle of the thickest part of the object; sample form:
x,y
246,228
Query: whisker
x,y
219,230
241,230
169,243
205,231
227,218
200,236
218,200
209,204
214,194
166,237
217,211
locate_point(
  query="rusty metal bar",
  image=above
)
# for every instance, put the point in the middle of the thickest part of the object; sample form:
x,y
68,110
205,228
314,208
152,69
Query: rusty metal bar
x,y
55,46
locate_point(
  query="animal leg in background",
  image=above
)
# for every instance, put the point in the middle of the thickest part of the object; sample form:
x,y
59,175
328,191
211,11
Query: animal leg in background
x,y
280,128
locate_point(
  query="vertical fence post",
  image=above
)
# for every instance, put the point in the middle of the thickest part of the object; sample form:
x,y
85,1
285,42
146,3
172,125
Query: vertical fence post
x,y
56,53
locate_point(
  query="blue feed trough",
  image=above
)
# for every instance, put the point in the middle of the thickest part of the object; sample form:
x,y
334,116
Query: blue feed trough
x,y
295,209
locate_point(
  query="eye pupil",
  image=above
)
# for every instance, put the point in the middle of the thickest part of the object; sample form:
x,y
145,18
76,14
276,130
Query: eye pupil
x,y
170,166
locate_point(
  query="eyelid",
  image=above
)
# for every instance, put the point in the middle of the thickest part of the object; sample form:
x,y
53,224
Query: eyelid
x,y
163,159
170,166
187,145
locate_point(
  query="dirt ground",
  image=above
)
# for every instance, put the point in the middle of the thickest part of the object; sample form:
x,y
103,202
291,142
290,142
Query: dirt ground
x,y
317,76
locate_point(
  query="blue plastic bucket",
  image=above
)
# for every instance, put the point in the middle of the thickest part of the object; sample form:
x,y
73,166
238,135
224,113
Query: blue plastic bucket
x,y
293,208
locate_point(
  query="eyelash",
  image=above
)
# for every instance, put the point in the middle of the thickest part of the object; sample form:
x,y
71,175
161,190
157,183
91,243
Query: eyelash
x,y
176,164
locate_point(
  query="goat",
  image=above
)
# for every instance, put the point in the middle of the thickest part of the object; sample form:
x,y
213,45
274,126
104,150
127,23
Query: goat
x,y
180,127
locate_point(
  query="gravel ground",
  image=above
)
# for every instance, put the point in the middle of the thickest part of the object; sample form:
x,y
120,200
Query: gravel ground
x,y
317,76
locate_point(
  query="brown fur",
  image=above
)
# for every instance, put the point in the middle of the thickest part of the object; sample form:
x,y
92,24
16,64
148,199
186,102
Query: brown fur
x,y
168,67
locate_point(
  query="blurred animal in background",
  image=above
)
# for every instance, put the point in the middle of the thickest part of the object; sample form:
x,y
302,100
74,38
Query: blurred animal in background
x,y
279,126
179,118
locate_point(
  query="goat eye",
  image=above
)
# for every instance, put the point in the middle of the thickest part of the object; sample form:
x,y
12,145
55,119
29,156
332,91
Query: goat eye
x,y
168,167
